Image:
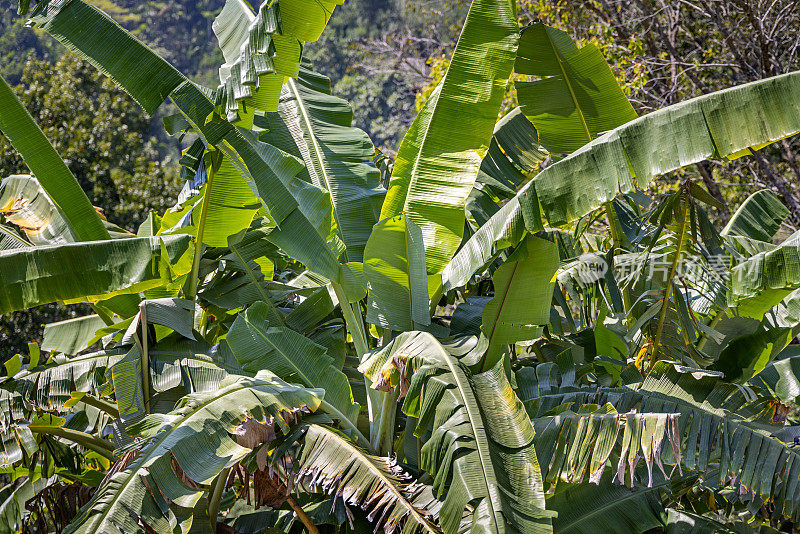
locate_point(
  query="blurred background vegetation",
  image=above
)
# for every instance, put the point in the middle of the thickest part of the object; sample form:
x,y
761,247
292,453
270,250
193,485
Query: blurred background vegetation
x,y
385,57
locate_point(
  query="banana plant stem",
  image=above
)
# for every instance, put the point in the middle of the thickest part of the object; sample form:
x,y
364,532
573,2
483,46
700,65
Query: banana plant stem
x,y
310,526
198,242
668,291
616,239
354,325
100,404
100,446
145,358
382,441
218,489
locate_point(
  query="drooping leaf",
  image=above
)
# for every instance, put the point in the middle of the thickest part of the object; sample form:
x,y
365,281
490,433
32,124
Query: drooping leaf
x,y
720,124
184,448
90,270
71,336
263,48
727,431
49,385
477,441
759,217
574,446
438,160
330,462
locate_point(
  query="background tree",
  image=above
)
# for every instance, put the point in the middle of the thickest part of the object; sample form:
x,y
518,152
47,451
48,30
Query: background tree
x,y
104,137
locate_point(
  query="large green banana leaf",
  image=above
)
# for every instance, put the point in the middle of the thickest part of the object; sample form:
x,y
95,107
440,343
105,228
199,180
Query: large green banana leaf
x,y
523,290
720,124
184,448
727,431
71,336
229,205
609,508
577,98
376,484
93,270
53,175
150,80
477,442
438,160
315,125
398,287
259,344
263,48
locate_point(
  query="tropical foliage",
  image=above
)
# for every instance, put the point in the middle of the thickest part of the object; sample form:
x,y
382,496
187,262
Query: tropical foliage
x,y
488,335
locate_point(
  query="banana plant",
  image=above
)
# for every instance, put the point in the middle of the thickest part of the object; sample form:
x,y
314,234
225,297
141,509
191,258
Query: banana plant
x,y
482,346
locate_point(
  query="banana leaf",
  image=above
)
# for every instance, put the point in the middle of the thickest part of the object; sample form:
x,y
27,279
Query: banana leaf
x,y
71,336
577,97
263,48
159,487
79,272
315,125
759,217
523,290
466,423
438,160
728,431
720,124
398,289
610,508
258,344
330,462
150,80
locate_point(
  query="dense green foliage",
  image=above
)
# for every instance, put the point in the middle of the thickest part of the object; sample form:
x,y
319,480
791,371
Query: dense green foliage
x,y
507,329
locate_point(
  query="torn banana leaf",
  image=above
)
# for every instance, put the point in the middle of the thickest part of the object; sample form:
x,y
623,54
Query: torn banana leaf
x,y
189,446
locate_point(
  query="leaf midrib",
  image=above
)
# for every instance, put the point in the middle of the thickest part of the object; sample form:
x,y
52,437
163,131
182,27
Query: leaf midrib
x,y
306,118
283,354
569,86
156,446
467,395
